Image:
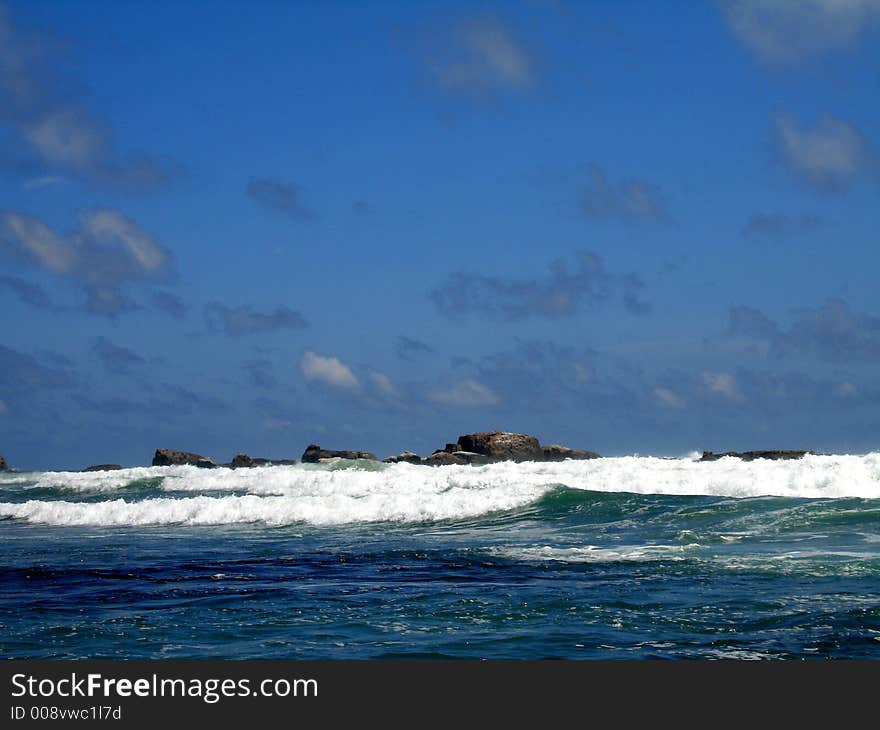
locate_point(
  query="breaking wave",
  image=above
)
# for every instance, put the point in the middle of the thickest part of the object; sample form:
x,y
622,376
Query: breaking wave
x,y
357,492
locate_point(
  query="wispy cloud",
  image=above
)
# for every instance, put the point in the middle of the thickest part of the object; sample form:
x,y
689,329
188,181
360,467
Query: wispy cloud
x,y
786,32
279,197
409,348
479,56
779,225
261,374
28,292
243,320
831,155
832,332
169,303
559,293
58,133
631,200
115,358
466,393
106,250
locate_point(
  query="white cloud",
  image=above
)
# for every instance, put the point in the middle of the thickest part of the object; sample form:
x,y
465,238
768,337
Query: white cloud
x,y
790,31
107,248
110,226
37,241
484,55
465,393
383,384
667,398
846,390
327,370
723,384
829,155
68,140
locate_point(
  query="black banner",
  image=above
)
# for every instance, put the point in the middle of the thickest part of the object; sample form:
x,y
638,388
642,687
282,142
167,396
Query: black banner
x,y
412,693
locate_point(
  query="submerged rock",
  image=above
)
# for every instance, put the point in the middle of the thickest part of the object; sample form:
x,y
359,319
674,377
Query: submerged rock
x,y
3,465
103,467
555,452
502,446
409,457
168,457
752,455
315,454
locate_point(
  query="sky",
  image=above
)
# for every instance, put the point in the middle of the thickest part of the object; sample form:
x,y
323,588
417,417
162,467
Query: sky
x,y
631,227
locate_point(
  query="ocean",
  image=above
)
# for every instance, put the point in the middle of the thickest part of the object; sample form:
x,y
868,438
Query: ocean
x,y
613,558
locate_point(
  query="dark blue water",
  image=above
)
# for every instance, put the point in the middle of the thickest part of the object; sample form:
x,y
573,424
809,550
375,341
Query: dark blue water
x,y
573,574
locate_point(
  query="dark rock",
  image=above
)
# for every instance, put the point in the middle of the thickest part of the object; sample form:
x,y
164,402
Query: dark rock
x,y
752,455
241,461
451,448
470,457
555,452
273,462
314,454
442,458
167,457
103,467
502,446
409,457
3,464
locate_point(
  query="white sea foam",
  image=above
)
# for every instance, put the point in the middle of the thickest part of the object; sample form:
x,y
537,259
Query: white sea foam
x,y
407,493
596,554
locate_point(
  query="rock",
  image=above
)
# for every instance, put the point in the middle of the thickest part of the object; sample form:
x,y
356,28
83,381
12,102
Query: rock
x,y
103,467
752,455
442,458
470,457
273,462
555,452
409,457
502,446
241,461
3,464
314,454
167,457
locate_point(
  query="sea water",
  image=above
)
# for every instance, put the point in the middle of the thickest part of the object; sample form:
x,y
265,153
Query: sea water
x,y
630,557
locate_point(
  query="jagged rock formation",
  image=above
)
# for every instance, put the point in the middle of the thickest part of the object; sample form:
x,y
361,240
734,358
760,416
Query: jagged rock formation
x,y
168,457
314,454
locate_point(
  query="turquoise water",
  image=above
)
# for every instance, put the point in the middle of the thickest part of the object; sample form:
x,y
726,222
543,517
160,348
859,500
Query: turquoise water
x,y
510,561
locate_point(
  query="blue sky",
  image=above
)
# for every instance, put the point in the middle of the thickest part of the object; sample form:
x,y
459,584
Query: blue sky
x,y
634,227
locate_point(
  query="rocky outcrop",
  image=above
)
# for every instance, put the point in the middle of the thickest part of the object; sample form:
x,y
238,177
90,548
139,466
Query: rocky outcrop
x,y
409,457
502,446
245,461
314,454
103,467
3,465
752,455
555,452
441,458
241,461
168,457
483,447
